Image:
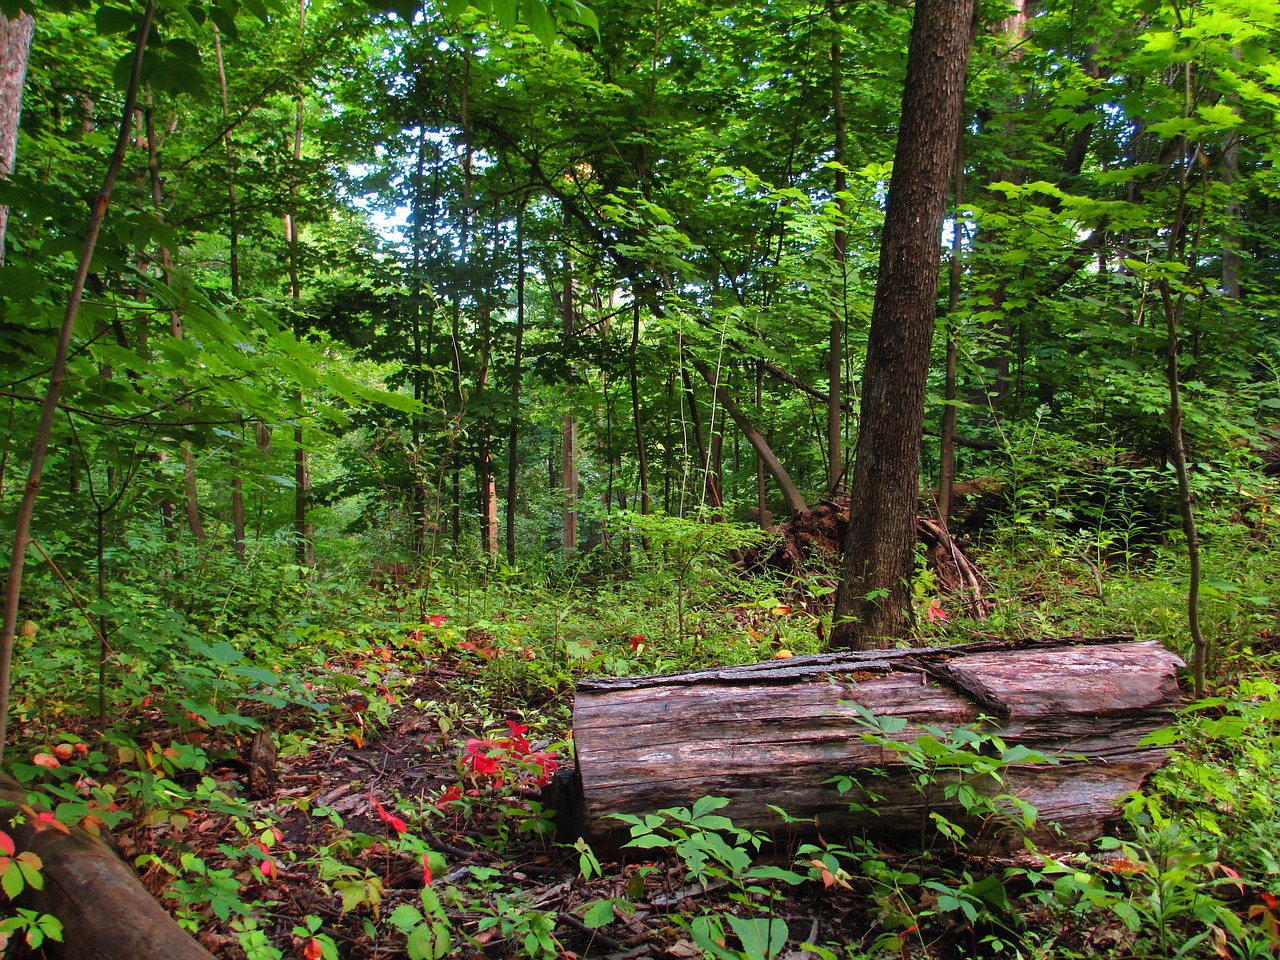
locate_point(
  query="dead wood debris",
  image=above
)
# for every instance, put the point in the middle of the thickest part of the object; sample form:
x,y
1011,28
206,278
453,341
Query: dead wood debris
x,y
810,547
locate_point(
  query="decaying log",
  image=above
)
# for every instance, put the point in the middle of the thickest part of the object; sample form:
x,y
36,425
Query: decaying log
x,y
106,912
775,733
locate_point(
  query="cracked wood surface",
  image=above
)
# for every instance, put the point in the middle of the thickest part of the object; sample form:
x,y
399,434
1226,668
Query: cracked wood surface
x,y
775,732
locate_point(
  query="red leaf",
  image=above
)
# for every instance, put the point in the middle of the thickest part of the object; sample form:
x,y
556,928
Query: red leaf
x,y
1267,898
476,757
396,824
637,641
426,871
6,843
936,612
313,950
451,795
437,620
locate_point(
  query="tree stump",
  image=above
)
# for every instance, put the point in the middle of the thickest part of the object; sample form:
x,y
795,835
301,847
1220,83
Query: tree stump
x,y
106,912
776,733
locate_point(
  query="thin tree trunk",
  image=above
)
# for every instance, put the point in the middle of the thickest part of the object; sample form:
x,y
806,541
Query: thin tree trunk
x,y
516,378
699,439
175,319
419,508
233,226
1231,231
835,360
947,443
1173,304
569,441
642,455
873,600
762,486
15,52
57,375
304,546
464,241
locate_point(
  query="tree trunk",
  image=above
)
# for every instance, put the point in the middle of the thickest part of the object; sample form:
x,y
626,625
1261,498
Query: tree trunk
x,y
776,733
304,546
642,455
762,487
872,603
947,442
835,361
569,434
1173,302
175,319
106,912
15,51
516,375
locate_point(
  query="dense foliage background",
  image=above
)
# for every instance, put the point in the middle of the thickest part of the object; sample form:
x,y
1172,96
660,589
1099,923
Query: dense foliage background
x,y
531,316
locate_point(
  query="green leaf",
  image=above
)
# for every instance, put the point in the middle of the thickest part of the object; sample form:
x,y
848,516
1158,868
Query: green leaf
x,y
599,914
111,20
540,20
405,917
12,880
762,938
704,805
648,841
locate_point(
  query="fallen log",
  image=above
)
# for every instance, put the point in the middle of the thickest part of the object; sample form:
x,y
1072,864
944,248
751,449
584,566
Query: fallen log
x,y
776,733
106,912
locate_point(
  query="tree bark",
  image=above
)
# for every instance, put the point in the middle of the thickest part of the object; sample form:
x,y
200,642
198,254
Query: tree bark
x,y
516,375
15,52
835,360
175,319
642,454
776,733
569,433
947,442
304,545
106,912
872,602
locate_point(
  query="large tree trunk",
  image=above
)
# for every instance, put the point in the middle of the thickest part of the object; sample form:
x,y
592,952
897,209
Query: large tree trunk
x,y
775,733
875,589
15,51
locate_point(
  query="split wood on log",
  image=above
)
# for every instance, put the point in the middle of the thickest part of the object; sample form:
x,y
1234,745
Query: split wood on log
x,y
776,733
106,912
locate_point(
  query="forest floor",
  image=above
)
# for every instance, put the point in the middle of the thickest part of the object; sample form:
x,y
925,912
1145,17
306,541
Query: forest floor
x,y
341,811
402,815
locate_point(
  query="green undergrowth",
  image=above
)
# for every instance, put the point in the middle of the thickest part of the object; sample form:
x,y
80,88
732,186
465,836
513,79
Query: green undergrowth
x,y
201,652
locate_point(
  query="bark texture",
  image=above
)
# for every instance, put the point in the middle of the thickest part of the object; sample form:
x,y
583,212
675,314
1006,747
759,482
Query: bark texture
x,y
776,732
15,51
872,602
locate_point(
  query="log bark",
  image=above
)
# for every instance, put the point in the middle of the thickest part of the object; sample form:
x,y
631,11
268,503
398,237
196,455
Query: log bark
x,y
775,733
106,912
